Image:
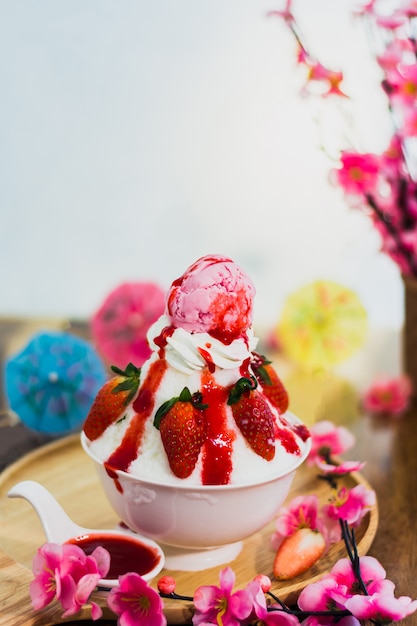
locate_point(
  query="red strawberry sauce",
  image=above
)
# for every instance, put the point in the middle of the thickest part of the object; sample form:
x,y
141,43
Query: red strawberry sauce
x,y
127,451
287,440
218,448
125,555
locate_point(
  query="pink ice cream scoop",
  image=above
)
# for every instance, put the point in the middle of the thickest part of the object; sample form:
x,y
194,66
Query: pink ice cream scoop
x,y
215,296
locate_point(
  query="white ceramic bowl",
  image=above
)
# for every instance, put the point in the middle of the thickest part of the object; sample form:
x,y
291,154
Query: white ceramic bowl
x,y
191,520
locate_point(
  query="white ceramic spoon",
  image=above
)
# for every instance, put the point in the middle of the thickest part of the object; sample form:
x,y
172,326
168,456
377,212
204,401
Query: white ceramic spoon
x,y
59,528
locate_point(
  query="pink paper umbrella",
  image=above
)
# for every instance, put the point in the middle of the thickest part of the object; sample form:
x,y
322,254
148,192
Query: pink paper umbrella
x,y
120,325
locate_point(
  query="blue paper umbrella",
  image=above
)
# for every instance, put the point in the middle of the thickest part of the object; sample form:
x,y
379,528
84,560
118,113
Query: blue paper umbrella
x,y
52,382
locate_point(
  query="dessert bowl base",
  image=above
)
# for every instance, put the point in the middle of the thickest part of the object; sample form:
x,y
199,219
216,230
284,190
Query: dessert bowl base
x,y
193,559
197,559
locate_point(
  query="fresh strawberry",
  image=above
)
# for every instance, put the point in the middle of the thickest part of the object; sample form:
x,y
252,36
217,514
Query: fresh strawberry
x,y
111,401
270,382
253,417
297,553
183,430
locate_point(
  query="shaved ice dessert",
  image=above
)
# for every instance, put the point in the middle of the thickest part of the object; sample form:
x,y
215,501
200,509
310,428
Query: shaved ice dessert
x,y
205,408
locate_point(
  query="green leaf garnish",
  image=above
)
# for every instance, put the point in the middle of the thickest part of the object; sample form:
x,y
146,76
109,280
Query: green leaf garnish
x,y
196,399
243,385
131,382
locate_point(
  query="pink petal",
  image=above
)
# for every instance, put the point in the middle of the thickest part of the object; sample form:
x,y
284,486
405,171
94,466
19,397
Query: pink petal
x,y
67,590
240,604
85,587
205,597
227,579
38,594
102,558
96,611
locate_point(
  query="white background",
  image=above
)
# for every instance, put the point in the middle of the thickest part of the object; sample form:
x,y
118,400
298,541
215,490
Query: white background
x,y
138,135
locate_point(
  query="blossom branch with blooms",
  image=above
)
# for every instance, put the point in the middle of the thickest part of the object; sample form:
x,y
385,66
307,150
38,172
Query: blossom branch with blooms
x,y
383,185
355,589
388,396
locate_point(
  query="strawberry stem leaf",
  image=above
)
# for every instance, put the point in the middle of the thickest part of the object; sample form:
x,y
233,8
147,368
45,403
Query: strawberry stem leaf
x,y
130,370
196,399
185,395
258,365
263,375
243,385
131,383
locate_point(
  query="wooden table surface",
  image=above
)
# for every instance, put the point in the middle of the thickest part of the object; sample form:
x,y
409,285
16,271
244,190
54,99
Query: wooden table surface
x,y
388,446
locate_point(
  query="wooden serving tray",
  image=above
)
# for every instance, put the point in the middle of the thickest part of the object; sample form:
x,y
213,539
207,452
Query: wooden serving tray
x,y
64,469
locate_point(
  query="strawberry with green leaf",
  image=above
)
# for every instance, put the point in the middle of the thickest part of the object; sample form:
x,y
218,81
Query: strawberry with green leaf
x,y
182,425
253,417
270,382
111,401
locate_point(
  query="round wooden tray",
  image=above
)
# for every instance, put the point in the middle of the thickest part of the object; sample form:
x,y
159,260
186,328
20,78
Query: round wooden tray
x,y
64,469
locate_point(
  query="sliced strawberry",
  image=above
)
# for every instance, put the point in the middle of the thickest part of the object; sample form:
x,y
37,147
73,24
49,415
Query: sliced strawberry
x,y
182,425
270,382
297,553
111,401
253,417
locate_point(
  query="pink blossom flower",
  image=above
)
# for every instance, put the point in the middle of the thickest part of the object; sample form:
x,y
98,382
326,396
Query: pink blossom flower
x,y
391,161
409,9
301,512
66,572
372,574
388,396
341,469
379,603
351,505
332,591
368,8
45,567
390,22
318,596
403,82
358,174
410,122
285,13
276,617
219,605
135,602
328,79
390,57
381,607
327,440
339,590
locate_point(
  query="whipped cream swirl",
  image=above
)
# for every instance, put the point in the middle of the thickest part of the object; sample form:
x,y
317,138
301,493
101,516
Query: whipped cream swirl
x,y
190,352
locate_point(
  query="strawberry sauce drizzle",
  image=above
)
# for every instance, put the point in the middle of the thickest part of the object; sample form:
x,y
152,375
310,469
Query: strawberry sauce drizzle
x,y
287,439
127,451
302,431
161,340
299,429
244,368
218,448
209,361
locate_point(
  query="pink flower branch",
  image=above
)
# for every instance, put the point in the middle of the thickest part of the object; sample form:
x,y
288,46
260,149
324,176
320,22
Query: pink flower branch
x,y
384,184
